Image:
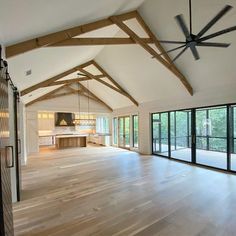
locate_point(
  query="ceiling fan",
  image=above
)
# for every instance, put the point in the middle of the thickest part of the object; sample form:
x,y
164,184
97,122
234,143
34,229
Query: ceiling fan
x,y
192,40
80,74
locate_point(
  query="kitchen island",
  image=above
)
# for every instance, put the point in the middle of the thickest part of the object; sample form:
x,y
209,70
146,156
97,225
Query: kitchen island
x,y
69,141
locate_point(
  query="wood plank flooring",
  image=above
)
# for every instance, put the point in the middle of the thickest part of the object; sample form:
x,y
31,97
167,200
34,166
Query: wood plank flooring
x,y
108,191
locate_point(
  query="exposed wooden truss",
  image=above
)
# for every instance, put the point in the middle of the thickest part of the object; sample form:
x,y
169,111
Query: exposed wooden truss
x,y
69,81
66,38
53,79
45,96
116,87
114,82
98,41
80,91
82,68
89,93
101,81
60,36
153,52
163,52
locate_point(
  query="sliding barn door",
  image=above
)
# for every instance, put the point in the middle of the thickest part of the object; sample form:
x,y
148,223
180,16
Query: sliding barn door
x,y
17,144
6,163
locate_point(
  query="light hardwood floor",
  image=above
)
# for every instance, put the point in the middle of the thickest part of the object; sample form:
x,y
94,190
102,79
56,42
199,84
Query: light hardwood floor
x,y
108,191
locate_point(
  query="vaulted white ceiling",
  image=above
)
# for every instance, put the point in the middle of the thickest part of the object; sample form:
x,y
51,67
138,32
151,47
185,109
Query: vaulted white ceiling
x,y
130,65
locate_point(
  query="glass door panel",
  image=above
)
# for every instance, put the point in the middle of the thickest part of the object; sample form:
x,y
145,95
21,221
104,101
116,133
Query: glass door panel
x,y
127,132
180,133
233,152
121,132
211,137
115,128
135,131
124,132
160,133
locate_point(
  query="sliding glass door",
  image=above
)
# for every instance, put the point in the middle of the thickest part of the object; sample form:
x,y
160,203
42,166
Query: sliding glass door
x,y
135,131
211,137
205,136
124,132
160,133
180,135
233,140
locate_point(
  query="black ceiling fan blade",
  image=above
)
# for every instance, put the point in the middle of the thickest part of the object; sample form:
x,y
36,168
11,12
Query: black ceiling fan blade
x,y
81,74
195,52
210,44
179,54
172,42
224,31
214,20
181,22
174,49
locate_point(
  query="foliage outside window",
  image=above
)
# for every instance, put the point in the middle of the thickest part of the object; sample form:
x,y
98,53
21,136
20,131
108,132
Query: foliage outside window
x,y
102,125
115,127
127,131
135,131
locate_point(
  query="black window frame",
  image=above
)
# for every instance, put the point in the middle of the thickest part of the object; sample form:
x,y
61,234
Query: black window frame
x,y
229,135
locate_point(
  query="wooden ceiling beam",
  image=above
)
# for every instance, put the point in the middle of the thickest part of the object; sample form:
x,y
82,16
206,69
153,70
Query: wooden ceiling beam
x,y
147,29
164,53
65,38
58,95
73,89
94,96
69,81
114,82
43,97
102,81
97,41
150,50
44,41
82,92
52,95
53,79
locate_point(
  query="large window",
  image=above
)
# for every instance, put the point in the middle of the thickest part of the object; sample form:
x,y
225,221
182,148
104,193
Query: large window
x,y
206,136
135,131
115,129
102,125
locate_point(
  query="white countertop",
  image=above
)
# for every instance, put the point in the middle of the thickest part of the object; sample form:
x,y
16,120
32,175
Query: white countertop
x,y
71,136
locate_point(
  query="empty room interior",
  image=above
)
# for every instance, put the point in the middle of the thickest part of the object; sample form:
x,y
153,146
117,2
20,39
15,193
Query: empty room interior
x,y
118,118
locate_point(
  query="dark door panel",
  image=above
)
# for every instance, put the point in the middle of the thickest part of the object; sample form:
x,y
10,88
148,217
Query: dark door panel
x,y
6,162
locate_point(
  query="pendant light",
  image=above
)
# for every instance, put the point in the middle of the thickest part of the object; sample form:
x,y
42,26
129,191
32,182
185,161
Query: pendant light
x,y
87,121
